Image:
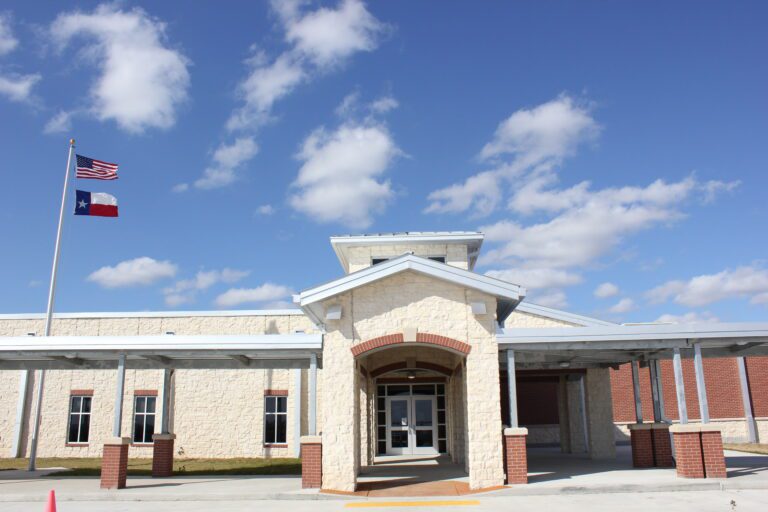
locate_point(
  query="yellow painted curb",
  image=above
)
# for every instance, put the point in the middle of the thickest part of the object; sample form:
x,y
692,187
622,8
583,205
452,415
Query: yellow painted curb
x,y
443,503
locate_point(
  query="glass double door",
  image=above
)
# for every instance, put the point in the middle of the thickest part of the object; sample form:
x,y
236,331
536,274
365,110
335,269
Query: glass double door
x,y
411,425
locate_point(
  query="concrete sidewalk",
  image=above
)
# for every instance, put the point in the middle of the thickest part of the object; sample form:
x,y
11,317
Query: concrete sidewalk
x,y
550,474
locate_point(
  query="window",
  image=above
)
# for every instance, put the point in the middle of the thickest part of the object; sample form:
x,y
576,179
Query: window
x,y
441,259
275,419
79,419
144,418
376,261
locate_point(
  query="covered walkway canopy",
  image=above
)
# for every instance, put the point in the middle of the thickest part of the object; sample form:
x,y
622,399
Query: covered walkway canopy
x,y
608,345
159,352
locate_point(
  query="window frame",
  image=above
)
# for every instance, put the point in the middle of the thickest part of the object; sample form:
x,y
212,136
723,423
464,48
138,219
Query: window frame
x,y
144,414
276,413
79,415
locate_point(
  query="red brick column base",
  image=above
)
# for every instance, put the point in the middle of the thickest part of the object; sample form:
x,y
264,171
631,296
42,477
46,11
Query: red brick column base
x,y
641,438
714,458
114,463
515,456
311,462
651,446
162,455
662,446
699,451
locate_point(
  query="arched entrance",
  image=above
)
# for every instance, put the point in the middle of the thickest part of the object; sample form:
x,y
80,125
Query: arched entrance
x,y
412,415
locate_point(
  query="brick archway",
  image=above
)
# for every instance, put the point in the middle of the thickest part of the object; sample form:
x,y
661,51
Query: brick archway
x,y
422,338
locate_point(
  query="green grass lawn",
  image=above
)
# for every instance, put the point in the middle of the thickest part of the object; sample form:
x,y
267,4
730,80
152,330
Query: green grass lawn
x,y
92,466
747,447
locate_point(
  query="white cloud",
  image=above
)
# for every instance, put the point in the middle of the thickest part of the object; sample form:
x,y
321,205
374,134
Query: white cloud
x,y
606,290
384,104
743,282
142,81
8,41
180,187
184,291
328,36
712,188
553,299
319,41
532,140
691,317
623,306
61,122
340,178
265,209
267,292
227,159
18,87
136,272
537,278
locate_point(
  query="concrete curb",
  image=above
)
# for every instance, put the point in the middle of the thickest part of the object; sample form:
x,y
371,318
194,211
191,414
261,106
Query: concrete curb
x,y
123,496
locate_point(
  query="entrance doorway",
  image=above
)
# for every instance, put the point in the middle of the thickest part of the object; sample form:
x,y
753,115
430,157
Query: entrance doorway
x,y
411,418
411,425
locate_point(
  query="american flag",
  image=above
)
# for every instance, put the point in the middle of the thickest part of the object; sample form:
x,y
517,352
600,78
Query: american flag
x,y
90,168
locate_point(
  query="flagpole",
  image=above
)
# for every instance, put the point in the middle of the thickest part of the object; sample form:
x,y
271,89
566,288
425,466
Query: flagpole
x,y
49,312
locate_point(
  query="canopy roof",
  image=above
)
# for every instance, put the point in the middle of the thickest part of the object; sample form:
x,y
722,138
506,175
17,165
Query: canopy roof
x,y
608,345
164,351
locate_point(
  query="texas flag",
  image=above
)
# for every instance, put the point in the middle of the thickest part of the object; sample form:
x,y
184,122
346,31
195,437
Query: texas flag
x,y
95,203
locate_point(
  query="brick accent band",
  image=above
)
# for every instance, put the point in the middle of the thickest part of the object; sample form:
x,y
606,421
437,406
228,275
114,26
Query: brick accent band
x,y
311,465
162,456
114,466
515,459
421,337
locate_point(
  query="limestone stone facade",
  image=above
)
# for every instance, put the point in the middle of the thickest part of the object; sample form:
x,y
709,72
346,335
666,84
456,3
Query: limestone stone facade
x,y
442,325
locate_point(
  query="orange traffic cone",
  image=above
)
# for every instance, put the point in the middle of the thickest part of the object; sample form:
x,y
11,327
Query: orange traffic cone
x,y
51,506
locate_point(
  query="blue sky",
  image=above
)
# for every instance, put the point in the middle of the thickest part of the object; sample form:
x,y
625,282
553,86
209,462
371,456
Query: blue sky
x,y
613,153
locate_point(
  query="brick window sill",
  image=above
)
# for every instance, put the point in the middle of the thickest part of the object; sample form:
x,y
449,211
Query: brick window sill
x,y
142,445
76,445
275,446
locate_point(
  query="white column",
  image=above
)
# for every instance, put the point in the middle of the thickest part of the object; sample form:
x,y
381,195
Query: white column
x,y
701,387
119,387
636,389
165,411
512,388
748,414
312,427
297,412
680,387
21,405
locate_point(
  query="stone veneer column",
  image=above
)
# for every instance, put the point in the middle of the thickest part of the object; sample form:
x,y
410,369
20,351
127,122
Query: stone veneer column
x,y
311,462
162,455
114,463
600,426
515,456
699,451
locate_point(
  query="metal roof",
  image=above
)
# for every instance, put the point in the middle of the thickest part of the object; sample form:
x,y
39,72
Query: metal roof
x,y
164,351
155,314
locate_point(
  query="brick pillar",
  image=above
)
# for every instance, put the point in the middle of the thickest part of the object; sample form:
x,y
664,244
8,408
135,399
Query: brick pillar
x,y
699,451
311,462
114,463
515,456
162,455
641,438
662,446
714,458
